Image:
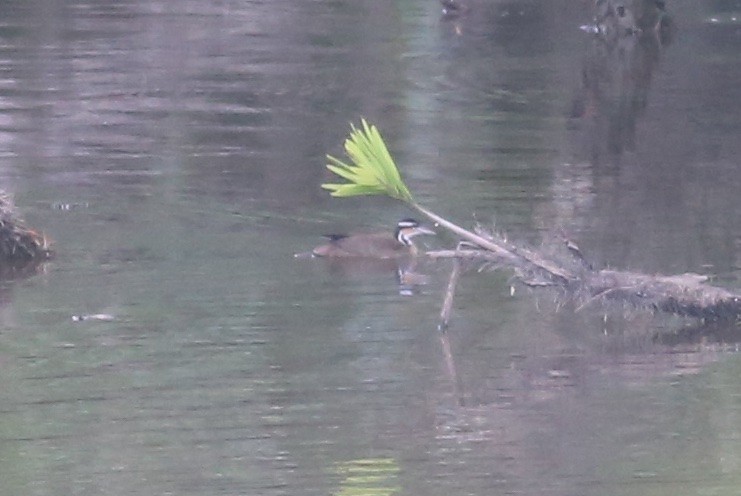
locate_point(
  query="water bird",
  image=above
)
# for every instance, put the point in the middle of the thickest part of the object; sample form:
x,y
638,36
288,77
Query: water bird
x,y
383,245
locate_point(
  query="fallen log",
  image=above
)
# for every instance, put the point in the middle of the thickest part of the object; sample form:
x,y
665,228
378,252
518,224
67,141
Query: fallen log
x,y
685,294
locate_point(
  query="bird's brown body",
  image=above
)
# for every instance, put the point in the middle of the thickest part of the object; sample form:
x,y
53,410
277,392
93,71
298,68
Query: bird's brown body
x,y
374,245
378,245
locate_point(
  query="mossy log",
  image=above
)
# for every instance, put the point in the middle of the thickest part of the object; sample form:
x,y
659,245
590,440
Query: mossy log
x,y
20,246
683,294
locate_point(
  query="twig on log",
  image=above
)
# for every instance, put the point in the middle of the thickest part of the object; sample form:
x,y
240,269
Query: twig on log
x,y
596,297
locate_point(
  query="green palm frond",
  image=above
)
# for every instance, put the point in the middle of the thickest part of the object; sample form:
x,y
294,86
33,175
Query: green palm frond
x,y
372,170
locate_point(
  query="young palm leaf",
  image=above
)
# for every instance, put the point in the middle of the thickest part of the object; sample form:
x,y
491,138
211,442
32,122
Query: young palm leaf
x,y
372,170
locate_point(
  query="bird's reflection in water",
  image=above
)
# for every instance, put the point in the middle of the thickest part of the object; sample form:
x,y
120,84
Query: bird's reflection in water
x,y
404,270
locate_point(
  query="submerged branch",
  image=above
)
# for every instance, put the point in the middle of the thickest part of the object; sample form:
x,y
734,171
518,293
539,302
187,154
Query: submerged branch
x,y
447,307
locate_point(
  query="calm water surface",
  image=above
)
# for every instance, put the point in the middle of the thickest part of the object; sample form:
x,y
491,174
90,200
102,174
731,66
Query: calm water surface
x,y
174,151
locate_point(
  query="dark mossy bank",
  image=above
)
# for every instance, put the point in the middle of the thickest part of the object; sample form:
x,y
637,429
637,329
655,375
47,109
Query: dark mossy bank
x,y
21,248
